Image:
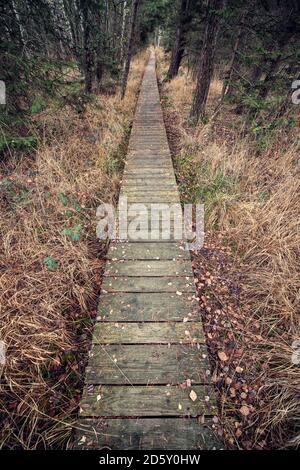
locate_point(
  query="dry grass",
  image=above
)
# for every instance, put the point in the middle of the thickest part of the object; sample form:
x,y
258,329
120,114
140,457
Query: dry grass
x,y
51,262
253,203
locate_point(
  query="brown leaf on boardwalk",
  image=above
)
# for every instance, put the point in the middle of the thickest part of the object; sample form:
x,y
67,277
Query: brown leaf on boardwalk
x,y
193,395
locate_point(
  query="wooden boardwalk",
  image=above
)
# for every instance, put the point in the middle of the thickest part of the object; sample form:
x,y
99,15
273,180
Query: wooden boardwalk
x,y
147,380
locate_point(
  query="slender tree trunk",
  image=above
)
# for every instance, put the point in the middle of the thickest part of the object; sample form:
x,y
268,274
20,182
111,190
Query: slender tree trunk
x,y
87,46
227,81
19,27
124,17
71,15
99,71
206,63
178,48
135,4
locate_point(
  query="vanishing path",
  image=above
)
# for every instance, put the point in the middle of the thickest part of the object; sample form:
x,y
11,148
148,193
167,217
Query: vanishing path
x,y
147,381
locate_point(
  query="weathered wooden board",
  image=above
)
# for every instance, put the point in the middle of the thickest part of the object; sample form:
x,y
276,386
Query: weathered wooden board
x,y
149,207
148,434
136,186
148,307
148,218
148,284
156,198
139,235
105,400
149,180
156,364
146,165
147,251
150,158
141,172
148,333
148,268
145,185
160,195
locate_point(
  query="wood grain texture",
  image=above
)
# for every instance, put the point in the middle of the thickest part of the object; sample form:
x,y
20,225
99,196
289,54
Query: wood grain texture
x,y
156,364
147,251
132,333
148,268
144,307
106,400
149,284
148,434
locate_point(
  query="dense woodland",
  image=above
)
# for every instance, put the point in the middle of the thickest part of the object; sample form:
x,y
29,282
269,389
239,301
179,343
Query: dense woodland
x,y
70,49
74,57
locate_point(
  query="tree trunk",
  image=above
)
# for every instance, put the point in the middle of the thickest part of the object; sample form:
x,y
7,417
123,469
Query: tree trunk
x,y
19,28
206,63
178,48
72,15
227,81
87,46
124,17
135,4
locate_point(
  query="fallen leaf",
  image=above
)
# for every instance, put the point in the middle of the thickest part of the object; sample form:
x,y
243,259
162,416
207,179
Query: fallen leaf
x,y
193,395
244,410
222,356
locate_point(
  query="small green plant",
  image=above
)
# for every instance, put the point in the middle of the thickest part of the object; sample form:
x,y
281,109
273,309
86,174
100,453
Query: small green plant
x,y
74,233
63,199
38,105
77,206
50,262
261,195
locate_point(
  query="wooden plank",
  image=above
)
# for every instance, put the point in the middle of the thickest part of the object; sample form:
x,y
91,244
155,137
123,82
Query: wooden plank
x,y
156,400
144,172
152,208
146,185
147,251
149,180
140,191
137,235
146,217
148,434
148,333
144,158
148,307
148,284
148,268
142,164
156,198
156,364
